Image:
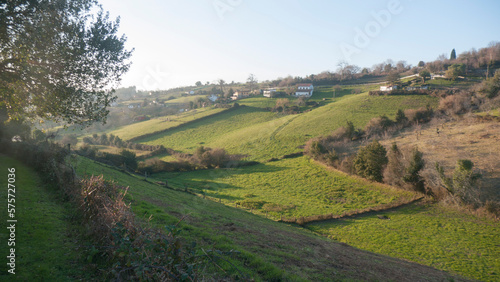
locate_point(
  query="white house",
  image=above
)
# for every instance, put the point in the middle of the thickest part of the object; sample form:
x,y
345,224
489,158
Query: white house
x,y
131,106
268,92
304,90
388,88
213,98
240,94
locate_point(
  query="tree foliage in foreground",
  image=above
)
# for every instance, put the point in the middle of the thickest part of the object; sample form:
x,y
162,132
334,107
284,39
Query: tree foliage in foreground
x,y
57,58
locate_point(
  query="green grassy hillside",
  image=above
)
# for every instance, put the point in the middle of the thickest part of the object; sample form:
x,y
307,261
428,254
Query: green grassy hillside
x,y
267,250
162,123
45,245
262,135
308,187
428,234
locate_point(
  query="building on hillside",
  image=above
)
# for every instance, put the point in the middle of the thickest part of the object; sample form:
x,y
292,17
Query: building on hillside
x,y
388,88
268,92
132,106
305,89
213,97
240,94
423,87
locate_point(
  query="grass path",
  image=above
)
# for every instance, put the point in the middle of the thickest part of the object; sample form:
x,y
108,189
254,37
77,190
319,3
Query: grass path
x,y
45,249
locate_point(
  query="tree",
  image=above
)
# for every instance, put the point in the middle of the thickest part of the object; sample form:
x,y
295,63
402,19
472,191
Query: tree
x,y
56,60
221,83
129,158
491,86
393,77
393,173
401,117
370,161
453,55
454,71
421,64
252,81
412,172
424,74
463,182
69,139
198,83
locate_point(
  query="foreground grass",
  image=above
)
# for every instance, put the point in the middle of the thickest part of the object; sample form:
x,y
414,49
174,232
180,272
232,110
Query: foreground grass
x,y
267,250
428,234
45,246
304,187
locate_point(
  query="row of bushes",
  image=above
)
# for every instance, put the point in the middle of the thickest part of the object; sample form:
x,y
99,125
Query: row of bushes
x,y
121,246
116,141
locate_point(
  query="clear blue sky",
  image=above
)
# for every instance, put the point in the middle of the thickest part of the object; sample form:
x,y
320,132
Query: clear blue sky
x,y
178,42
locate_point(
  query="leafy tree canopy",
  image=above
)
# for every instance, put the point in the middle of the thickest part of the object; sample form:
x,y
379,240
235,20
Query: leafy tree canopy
x,y
57,60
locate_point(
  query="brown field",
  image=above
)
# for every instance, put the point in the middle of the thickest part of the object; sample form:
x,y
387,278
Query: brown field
x,y
465,138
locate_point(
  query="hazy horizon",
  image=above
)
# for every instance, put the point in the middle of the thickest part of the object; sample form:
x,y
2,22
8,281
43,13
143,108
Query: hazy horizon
x,y
178,43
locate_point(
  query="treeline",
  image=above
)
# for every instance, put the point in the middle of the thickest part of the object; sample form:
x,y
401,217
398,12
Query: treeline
x,y
116,141
203,157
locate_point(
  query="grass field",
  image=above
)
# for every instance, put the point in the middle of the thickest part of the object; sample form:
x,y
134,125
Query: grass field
x,y
268,250
45,240
162,123
308,187
428,234
262,135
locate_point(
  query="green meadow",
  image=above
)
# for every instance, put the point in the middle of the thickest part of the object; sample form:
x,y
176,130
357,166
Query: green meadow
x,y
263,250
261,135
162,123
46,246
429,234
304,187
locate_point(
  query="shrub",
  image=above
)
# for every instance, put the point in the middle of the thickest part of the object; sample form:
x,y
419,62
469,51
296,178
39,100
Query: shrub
x,y
69,139
370,161
393,173
456,104
129,159
463,183
378,125
401,117
251,204
412,171
421,115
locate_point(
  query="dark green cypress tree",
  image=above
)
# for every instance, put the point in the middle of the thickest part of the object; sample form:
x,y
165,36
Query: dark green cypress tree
x,y
453,55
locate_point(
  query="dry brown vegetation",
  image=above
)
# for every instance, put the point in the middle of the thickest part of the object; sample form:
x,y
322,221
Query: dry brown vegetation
x,y
446,141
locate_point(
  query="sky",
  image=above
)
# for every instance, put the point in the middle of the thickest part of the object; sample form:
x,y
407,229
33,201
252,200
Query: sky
x,y
180,42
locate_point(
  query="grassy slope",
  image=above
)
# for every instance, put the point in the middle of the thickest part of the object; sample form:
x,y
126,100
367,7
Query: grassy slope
x,y
268,250
45,250
263,135
427,234
157,124
299,182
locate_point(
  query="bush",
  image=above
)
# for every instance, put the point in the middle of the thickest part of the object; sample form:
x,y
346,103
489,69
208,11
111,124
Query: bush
x,y
463,183
251,204
412,171
378,125
370,161
421,115
459,103
393,173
